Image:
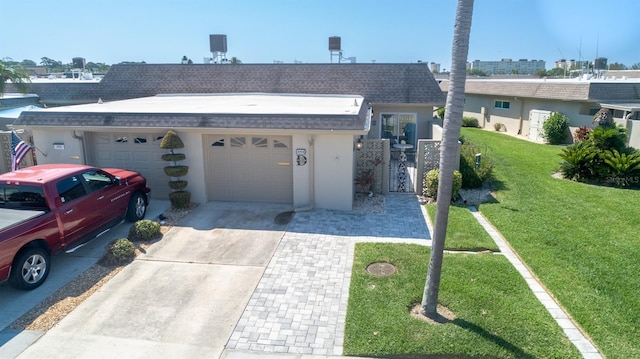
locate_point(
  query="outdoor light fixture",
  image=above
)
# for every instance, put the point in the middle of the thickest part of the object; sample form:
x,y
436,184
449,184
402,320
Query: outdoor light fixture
x,y
359,144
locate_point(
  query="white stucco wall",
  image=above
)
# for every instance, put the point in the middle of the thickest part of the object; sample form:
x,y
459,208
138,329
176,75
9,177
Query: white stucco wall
x,y
302,173
520,108
333,171
44,139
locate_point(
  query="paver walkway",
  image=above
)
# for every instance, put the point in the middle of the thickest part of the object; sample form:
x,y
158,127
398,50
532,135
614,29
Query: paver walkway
x,y
294,307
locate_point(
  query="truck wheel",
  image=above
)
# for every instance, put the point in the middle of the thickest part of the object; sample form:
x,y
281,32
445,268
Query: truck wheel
x,y
137,207
30,269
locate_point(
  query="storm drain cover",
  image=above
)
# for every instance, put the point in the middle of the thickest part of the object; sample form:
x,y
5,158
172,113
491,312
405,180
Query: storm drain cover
x,y
381,269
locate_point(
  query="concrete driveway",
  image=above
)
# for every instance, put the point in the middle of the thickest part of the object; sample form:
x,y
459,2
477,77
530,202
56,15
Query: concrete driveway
x,y
182,298
64,268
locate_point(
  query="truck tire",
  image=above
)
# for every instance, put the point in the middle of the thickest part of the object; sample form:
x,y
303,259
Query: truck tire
x,y
30,268
137,207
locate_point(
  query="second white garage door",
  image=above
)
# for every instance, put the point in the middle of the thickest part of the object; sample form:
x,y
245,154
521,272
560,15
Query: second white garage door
x,y
134,151
249,168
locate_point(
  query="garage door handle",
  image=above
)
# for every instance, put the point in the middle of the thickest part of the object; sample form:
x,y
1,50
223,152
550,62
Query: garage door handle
x,y
283,163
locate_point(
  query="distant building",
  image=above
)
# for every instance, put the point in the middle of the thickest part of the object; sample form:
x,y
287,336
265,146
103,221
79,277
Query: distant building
x,y
434,67
508,66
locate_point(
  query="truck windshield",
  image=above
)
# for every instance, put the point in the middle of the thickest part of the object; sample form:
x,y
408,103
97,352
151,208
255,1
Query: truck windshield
x,y
27,197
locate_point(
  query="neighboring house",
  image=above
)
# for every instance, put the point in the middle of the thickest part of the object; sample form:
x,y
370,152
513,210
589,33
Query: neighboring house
x,y
522,105
281,133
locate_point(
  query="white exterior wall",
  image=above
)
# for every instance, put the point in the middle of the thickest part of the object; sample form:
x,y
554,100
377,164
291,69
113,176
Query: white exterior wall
x,y
44,138
333,172
195,160
520,108
303,174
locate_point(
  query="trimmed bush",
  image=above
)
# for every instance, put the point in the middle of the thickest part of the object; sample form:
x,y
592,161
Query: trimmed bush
x,y
180,199
178,185
430,184
144,230
174,157
120,252
497,126
556,128
470,122
176,171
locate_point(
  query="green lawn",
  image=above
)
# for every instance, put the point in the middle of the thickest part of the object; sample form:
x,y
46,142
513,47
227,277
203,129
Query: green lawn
x,y
581,240
464,233
497,316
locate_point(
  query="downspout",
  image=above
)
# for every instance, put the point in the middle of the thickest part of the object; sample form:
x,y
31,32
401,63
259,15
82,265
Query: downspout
x,y
312,165
521,115
84,150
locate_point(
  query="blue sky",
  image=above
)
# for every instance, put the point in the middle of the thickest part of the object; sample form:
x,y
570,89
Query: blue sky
x,y
264,31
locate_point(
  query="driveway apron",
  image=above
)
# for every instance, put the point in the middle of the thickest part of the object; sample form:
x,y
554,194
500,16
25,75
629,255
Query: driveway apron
x,y
182,298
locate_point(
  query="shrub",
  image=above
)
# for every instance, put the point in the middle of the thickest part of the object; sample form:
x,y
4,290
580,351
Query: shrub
x,y
578,161
144,230
497,126
581,133
180,199
430,184
470,122
473,177
624,167
608,137
440,113
556,128
120,252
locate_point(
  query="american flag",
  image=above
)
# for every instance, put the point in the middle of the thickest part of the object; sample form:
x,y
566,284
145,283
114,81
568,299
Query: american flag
x,y
19,149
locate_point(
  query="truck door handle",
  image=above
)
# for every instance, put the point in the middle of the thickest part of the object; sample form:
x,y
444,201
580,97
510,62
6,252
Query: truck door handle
x,y
69,211
101,197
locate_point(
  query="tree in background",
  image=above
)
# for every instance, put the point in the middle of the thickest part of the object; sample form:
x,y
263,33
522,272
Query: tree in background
x,y
448,153
18,75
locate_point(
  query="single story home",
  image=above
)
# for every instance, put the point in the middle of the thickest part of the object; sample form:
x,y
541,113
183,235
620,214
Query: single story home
x,y
520,106
265,132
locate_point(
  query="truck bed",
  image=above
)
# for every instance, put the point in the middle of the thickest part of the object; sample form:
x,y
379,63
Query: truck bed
x,y
10,217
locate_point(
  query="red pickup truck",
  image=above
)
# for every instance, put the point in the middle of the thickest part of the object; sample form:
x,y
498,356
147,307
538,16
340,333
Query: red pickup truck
x,y
46,209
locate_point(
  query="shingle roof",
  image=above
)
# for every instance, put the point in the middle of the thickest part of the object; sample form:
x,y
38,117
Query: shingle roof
x,y
558,90
378,83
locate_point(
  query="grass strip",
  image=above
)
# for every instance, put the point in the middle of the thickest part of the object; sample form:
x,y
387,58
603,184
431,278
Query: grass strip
x,y
464,233
581,240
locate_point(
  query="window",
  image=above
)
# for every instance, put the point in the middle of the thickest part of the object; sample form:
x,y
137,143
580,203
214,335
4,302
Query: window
x,y
259,142
70,189
238,141
502,104
96,180
218,143
22,196
399,127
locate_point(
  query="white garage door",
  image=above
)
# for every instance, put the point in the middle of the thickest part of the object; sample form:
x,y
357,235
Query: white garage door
x,y
134,151
249,168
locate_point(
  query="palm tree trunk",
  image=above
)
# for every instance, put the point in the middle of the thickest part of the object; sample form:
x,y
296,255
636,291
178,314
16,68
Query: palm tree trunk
x,y
448,152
